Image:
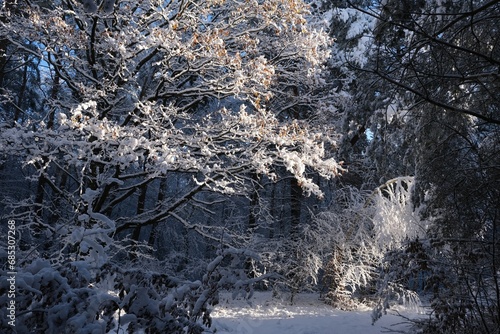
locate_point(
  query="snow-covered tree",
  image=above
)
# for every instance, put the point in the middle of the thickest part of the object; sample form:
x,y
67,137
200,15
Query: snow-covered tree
x,y
150,107
354,240
441,58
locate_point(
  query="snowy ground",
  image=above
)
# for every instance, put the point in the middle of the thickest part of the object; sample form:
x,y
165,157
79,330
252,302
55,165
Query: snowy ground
x,y
308,315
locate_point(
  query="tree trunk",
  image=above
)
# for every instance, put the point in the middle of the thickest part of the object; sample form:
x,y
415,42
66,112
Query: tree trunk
x,y
295,208
136,234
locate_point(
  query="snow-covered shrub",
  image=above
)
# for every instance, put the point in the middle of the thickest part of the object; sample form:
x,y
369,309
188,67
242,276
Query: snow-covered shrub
x,y
350,255
74,297
361,236
401,276
297,265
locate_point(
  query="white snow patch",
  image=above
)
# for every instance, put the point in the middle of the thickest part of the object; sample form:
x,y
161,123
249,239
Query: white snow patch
x,y
308,315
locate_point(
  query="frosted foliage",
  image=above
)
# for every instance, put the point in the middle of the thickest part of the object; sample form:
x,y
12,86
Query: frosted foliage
x,y
360,29
296,145
348,250
395,219
358,237
242,55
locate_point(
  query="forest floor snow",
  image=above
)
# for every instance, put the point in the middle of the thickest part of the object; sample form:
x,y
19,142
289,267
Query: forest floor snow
x,y
263,314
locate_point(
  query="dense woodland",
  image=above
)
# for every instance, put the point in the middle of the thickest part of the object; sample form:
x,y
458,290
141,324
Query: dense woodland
x,y
156,152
